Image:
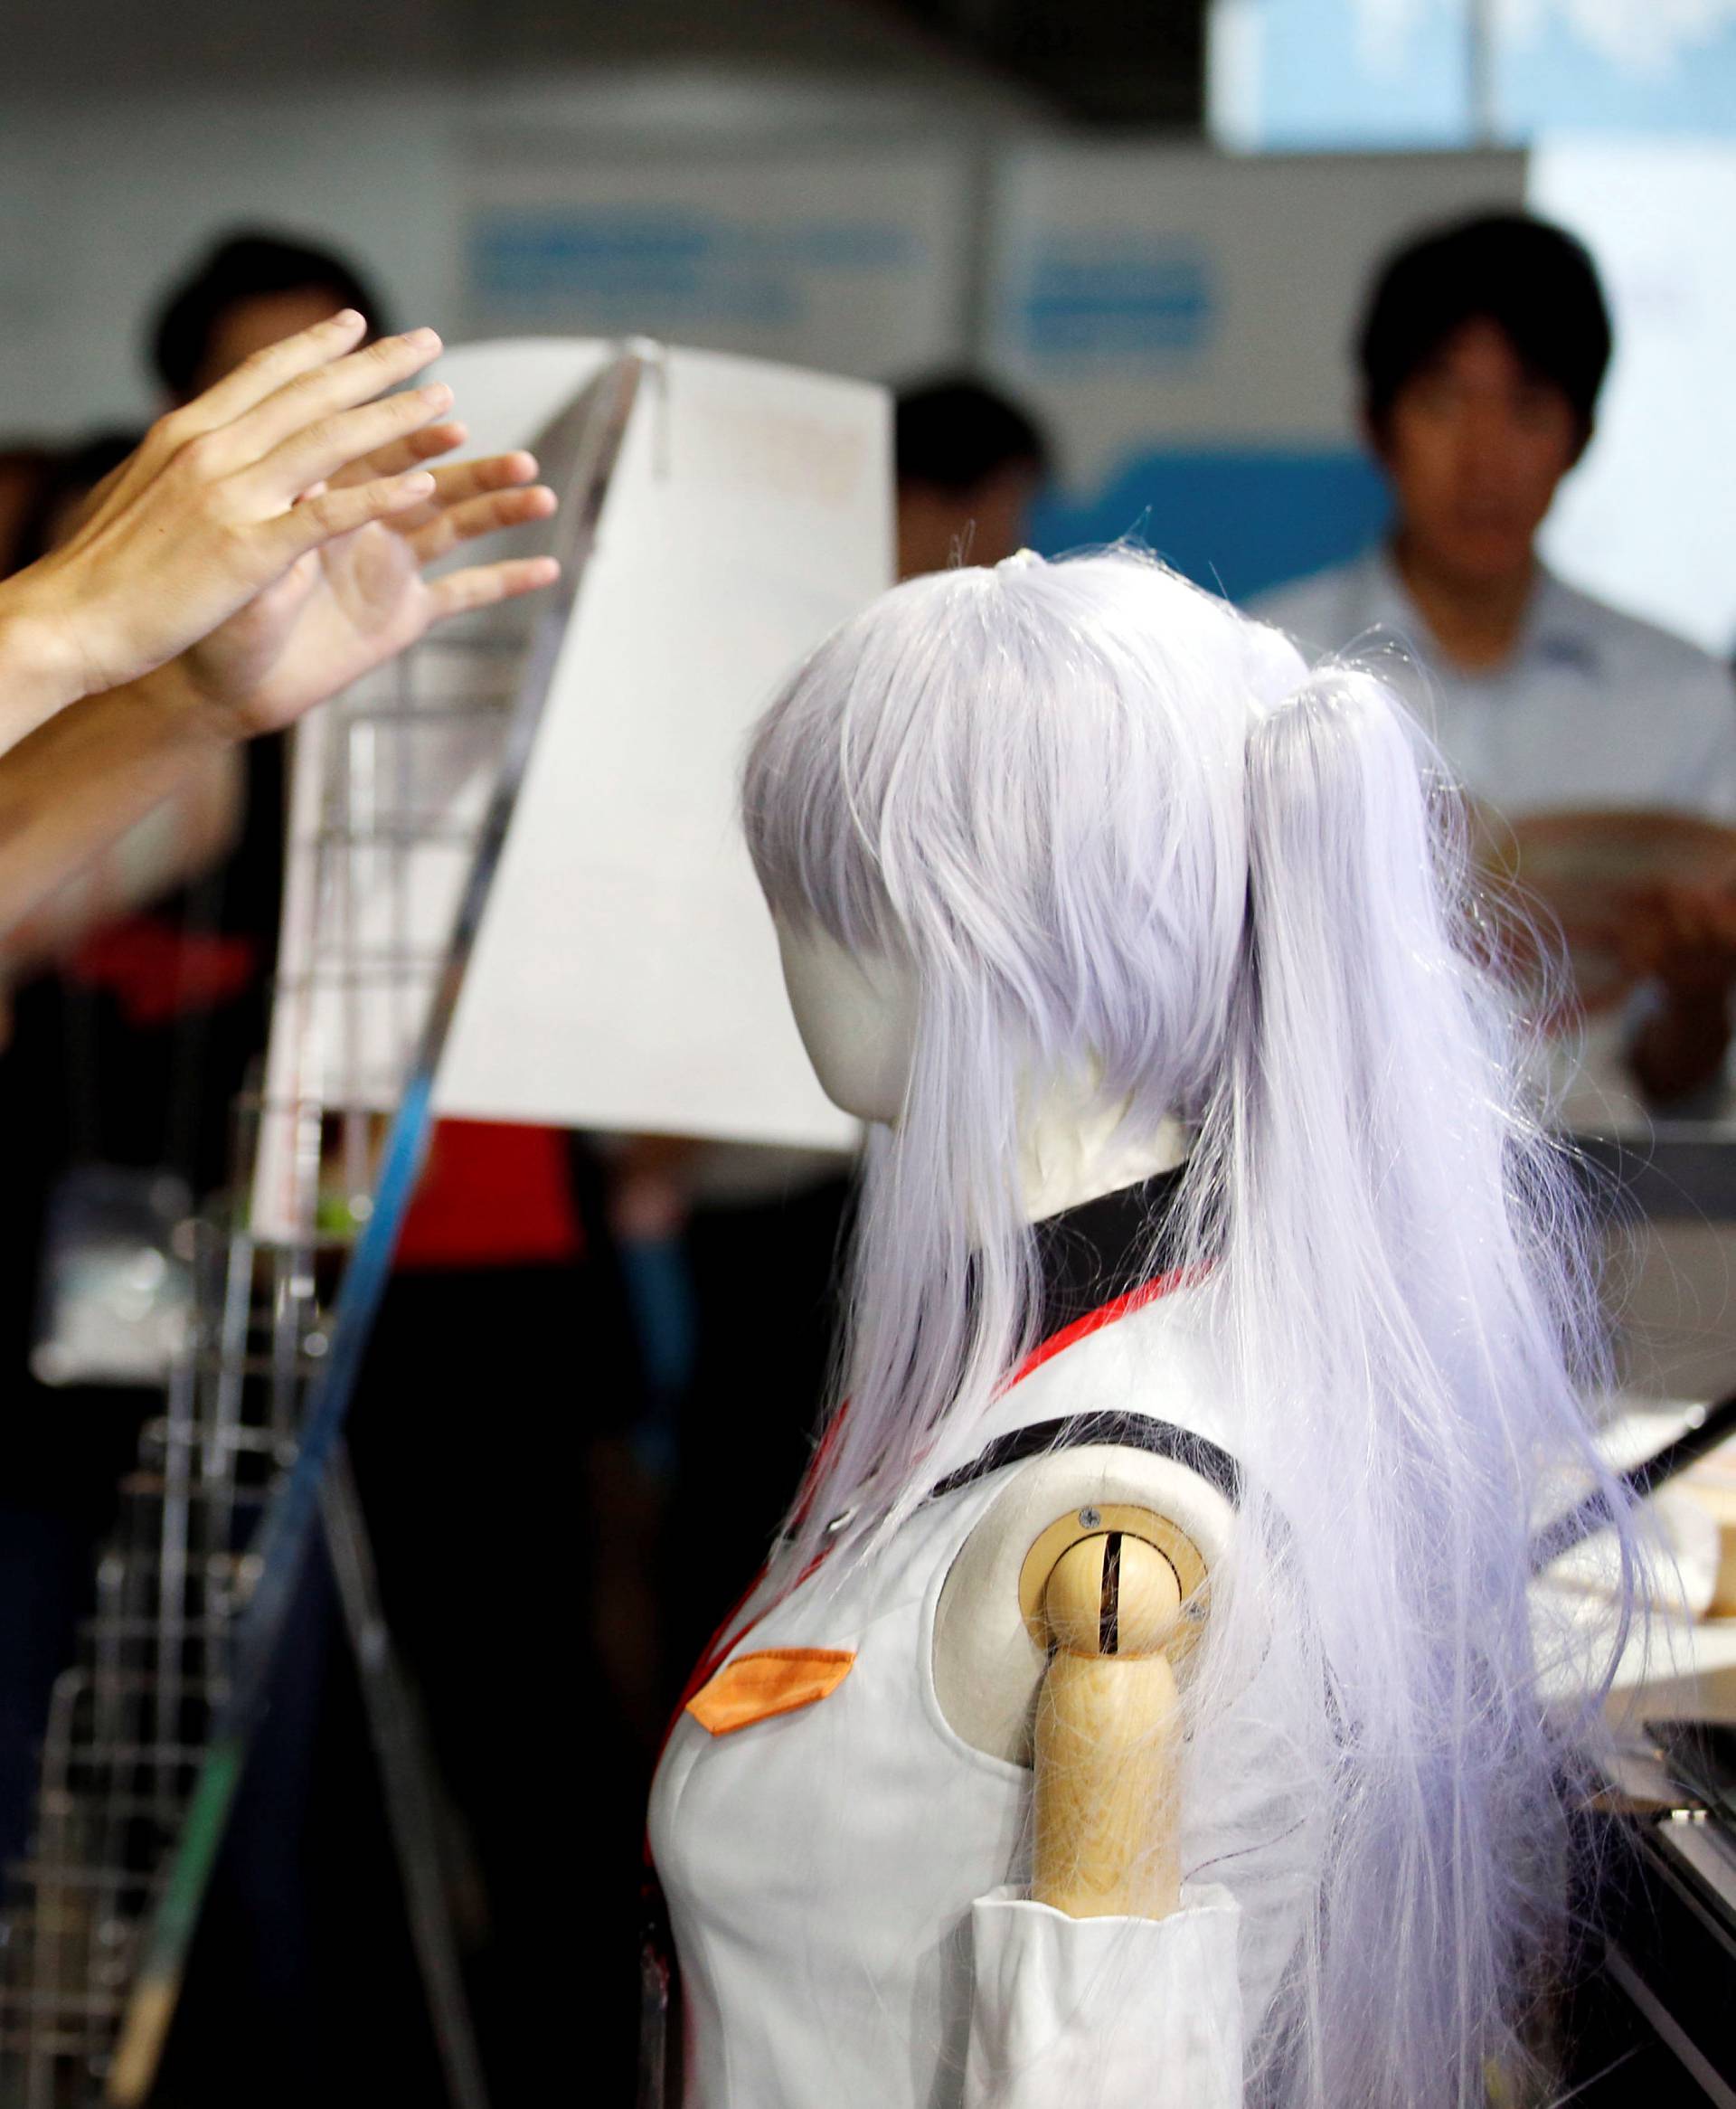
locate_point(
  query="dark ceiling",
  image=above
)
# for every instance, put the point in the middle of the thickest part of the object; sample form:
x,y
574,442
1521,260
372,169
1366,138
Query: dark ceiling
x,y
1136,63
1104,62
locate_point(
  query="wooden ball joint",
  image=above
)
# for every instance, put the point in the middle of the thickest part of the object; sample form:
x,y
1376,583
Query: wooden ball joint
x,y
1107,1816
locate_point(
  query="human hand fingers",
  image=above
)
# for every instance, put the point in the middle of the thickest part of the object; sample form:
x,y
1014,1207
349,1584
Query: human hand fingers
x,y
460,481
489,472
455,482
197,523
451,525
410,452
482,585
262,376
325,514
273,379
318,393
321,451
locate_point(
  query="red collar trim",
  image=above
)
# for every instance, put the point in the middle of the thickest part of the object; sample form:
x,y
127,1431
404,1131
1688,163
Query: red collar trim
x,y
1094,1321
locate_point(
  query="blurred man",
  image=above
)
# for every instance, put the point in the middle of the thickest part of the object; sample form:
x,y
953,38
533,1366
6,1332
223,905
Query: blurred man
x,y
250,290
970,465
1482,352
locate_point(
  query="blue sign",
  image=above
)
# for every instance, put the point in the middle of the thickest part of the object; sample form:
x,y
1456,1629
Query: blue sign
x,y
1083,302
632,266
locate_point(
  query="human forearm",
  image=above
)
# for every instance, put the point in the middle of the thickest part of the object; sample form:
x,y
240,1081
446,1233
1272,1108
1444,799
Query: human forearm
x,y
179,840
80,782
39,671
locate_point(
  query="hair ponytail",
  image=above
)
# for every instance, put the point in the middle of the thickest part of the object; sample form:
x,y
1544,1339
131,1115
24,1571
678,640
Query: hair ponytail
x,y
1407,1303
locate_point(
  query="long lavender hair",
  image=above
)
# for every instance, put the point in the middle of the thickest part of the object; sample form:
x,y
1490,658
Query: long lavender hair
x,y
1109,827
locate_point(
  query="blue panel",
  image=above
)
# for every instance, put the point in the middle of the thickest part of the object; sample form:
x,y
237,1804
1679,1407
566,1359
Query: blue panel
x,y
1332,75
663,269
1348,73
1135,302
1239,519
1556,78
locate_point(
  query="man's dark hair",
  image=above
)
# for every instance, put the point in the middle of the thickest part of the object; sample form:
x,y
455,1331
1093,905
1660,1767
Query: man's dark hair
x,y
955,433
1534,281
246,265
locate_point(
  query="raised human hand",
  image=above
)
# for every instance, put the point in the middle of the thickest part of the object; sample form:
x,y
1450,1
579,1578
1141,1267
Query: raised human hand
x,y
1681,936
222,498
1683,939
349,605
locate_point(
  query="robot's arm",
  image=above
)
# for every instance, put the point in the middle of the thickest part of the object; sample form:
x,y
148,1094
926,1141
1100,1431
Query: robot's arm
x,y
1057,1639
1108,1814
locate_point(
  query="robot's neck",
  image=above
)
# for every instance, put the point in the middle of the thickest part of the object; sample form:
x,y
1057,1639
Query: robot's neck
x,y
1072,1148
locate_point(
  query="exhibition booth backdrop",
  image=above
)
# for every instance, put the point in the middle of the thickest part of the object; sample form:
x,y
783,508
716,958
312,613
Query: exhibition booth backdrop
x,y
1179,317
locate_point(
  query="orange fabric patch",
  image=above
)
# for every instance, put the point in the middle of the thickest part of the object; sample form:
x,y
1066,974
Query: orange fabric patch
x,y
771,1681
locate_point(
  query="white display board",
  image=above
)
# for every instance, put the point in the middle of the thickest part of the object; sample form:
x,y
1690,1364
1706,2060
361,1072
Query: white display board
x,y
625,974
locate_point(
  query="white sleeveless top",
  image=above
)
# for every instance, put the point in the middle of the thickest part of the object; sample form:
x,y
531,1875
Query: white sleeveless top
x,y
844,1882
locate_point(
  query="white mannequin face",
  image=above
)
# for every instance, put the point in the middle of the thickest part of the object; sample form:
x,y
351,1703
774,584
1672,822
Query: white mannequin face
x,y
857,1019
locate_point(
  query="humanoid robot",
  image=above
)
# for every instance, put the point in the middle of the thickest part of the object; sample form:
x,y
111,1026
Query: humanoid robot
x,y
1141,1705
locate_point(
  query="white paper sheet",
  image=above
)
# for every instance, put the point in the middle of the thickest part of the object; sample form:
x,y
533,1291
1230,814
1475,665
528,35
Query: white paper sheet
x,y
625,974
